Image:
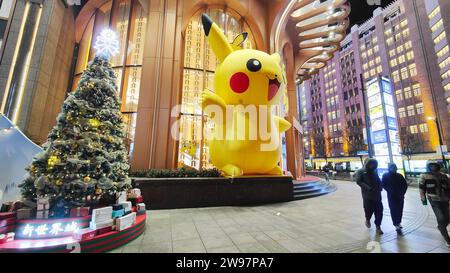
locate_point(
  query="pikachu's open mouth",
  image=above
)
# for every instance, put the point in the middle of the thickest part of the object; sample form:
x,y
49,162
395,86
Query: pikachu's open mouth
x,y
274,86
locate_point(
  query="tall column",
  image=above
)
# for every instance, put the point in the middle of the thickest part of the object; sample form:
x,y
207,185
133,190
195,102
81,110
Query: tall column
x,y
160,86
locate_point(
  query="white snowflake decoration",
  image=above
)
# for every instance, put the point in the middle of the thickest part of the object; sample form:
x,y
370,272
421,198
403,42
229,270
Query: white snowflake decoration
x,y
107,43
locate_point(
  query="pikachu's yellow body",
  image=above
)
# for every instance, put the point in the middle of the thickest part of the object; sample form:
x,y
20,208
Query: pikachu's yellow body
x,y
251,80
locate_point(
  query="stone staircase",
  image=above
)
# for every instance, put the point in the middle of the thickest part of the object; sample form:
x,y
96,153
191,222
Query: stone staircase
x,y
311,189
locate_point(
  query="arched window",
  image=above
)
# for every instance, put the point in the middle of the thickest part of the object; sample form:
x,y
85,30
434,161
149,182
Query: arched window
x,y
128,19
198,74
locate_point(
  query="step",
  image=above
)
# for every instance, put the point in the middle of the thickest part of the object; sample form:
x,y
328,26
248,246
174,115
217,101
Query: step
x,y
315,191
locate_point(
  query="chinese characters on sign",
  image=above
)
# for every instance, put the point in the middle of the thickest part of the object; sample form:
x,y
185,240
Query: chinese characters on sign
x,y
48,230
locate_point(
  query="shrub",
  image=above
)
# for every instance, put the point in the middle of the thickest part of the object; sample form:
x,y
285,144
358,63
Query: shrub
x,y
175,173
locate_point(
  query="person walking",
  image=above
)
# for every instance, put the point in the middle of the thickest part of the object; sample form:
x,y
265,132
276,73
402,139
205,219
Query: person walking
x,y
435,186
396,186
326,170
369,181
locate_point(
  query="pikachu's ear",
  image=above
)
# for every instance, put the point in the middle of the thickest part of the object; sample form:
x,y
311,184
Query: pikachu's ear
x,y
239,41
276,57
216,38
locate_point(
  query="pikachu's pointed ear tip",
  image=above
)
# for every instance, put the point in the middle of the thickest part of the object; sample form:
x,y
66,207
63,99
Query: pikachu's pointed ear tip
x,y
207,23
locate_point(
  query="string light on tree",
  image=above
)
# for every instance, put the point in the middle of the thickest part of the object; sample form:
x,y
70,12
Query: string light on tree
x,y
107,43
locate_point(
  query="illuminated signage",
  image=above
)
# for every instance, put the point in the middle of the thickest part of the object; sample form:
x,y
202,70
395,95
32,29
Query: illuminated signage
x,y
43,229
384,126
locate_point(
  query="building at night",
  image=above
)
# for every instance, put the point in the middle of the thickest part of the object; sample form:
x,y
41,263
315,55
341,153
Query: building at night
x,y
164,61
405,42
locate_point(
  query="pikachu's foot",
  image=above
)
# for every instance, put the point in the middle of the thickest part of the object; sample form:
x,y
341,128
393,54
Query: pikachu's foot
x,y
276,171
231,170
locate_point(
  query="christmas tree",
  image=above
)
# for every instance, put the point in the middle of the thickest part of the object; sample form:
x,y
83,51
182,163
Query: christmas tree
x,y
84,161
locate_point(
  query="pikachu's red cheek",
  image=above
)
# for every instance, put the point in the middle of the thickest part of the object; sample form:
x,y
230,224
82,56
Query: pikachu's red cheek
x,y
239,82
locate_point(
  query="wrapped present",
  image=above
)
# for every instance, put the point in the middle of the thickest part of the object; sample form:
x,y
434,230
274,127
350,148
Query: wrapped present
x,y
84,234
25,213
141,212
43,203
79,212
42,214
104,230
100,225
141,206
6,215
117,207
125,222
102,214
127,206
135,193
7,222
5,207
121,197
6,238
118,213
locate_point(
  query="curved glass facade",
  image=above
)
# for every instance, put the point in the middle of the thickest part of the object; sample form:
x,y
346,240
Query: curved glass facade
x,y
128,19
198,75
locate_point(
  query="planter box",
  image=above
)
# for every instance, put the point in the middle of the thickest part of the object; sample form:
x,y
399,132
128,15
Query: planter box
x,y
176,193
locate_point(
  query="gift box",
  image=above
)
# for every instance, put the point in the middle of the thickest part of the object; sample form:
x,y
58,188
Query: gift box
x,y
42,214
118,213
121,197
7,222
141,206
84,234
102,214
79,212
104,230
100,225
127,206
141,212
5,207
125,222
135,193
135,201
117,207
6,238
25,213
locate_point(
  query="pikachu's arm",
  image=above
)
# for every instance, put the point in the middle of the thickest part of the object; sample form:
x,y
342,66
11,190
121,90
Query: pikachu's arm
x,y
209,98
283,125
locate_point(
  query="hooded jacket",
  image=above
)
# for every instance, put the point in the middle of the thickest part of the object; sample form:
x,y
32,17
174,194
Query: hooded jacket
x,y
369,181
435,185
395,185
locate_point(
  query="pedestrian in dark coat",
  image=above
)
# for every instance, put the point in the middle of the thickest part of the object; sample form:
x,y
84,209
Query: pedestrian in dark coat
x,y
396,186
369,181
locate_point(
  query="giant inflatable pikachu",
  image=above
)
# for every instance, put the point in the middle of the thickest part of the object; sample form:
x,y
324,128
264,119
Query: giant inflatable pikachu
x,y
245,77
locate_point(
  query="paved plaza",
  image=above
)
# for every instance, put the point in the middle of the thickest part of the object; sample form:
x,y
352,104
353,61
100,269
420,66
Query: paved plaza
x,y
328,224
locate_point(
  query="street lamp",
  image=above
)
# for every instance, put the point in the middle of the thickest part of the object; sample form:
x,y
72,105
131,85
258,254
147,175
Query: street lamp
x,y
441,139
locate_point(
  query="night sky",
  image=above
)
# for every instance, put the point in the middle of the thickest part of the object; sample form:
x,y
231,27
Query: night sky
x,y
361,10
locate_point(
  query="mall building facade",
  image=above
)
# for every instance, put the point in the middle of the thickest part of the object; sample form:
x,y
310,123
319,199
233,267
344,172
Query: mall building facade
x,y
407,42
164,61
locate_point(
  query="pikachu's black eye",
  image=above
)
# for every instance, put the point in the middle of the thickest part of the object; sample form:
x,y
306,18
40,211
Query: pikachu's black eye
x,y
254,65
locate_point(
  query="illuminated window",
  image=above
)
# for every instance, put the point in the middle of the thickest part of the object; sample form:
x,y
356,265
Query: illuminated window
x,y
444,63
401,59
393,62
419,108
439,38
412,70
398,36
388,32
378,60
399,95
376,49
379,69
408,45
396,76
410,55
417,91
404,23
400,49
423,128
402,112
370,52
390,41
404,73
406,33
435,12
443,51
445,75
436,26
392,53
198,75
128,19
407,92
413,129
447,87
410,110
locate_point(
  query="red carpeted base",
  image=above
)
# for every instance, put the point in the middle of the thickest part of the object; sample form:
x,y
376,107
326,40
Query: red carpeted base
x,y
103,243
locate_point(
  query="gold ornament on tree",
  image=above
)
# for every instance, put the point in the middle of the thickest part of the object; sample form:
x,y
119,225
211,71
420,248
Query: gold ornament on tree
x,y
87,179
94,122
52,161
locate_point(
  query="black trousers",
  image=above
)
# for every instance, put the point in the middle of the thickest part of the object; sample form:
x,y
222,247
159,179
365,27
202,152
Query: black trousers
x,y
442,212
372,207
396,206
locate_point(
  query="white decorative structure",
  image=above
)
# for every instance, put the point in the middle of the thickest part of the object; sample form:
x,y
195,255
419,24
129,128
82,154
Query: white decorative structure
x,y
16,153
321,26
107,43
